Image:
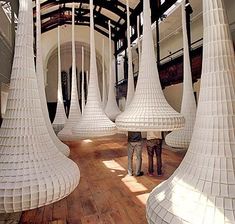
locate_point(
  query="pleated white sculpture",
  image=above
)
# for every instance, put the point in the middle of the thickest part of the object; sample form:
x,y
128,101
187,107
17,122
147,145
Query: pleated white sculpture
x,y
202,189
180,139
32,171
74,113
104,90
94,122
60,116
149,110
112,110
130,82
83,83
40,76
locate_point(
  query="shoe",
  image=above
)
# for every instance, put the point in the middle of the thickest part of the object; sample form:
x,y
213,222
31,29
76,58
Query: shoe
x,y
150,174
130,174
140,174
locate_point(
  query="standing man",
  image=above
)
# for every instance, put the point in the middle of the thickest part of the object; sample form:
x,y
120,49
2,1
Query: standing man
x,y
135,145
154,144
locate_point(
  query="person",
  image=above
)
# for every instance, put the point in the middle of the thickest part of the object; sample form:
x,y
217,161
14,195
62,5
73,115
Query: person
x,y
135,146
154,144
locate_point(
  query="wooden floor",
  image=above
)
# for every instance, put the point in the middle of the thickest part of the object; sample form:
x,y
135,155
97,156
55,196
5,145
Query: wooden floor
x,y
105,195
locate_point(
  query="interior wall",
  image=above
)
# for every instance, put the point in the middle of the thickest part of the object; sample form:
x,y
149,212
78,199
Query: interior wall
x,y
66,64
6,47
82,35
175,42
174,94
4,96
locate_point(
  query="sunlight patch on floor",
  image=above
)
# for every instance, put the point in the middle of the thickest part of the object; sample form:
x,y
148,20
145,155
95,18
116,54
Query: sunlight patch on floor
x,y
133,185
87,141
143,198
111,164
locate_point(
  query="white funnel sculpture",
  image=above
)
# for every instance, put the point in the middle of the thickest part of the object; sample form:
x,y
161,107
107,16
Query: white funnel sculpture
x,y
74,113
39,69
33,173
94,122
149,110
112,110
83,83
180,139
60,116
130,83
202,189
104,92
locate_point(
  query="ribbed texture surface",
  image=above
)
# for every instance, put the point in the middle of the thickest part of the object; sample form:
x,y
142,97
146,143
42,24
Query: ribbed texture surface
x,y
94,122
180,139
104,86
130,83
60,116
149,109
32,171
202,189
112,110
74,113
41,88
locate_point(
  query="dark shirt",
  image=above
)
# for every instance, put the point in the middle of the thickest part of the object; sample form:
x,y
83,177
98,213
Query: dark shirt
x,y
134,136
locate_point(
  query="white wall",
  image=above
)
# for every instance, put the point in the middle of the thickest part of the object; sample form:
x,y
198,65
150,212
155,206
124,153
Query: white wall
x,y
174,93
49,45
66,64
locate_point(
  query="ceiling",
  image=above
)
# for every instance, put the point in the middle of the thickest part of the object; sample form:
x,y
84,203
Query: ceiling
x,y
59,12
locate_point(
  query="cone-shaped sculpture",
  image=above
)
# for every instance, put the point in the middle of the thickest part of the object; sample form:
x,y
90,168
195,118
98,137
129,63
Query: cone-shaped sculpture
x,y
33,172
202,189
104,92
112,110
180,139
149,109
74,113
60,116
130,83
94,122
62,147
83,83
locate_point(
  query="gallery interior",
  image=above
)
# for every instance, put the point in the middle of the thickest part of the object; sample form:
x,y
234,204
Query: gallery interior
x,y
117,112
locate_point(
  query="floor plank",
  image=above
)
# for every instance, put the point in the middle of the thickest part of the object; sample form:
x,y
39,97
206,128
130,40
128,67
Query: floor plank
x,y
106,194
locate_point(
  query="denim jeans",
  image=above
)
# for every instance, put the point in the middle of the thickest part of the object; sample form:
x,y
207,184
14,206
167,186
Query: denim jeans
x,y
154,145
134,147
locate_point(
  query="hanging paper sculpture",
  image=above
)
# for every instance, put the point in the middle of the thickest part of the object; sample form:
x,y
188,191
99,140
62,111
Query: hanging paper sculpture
x,y
202,189
104,92
180,139
60,116
33,173
75,113
111,109
83,83
94,122
130,83
149,110
62,147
